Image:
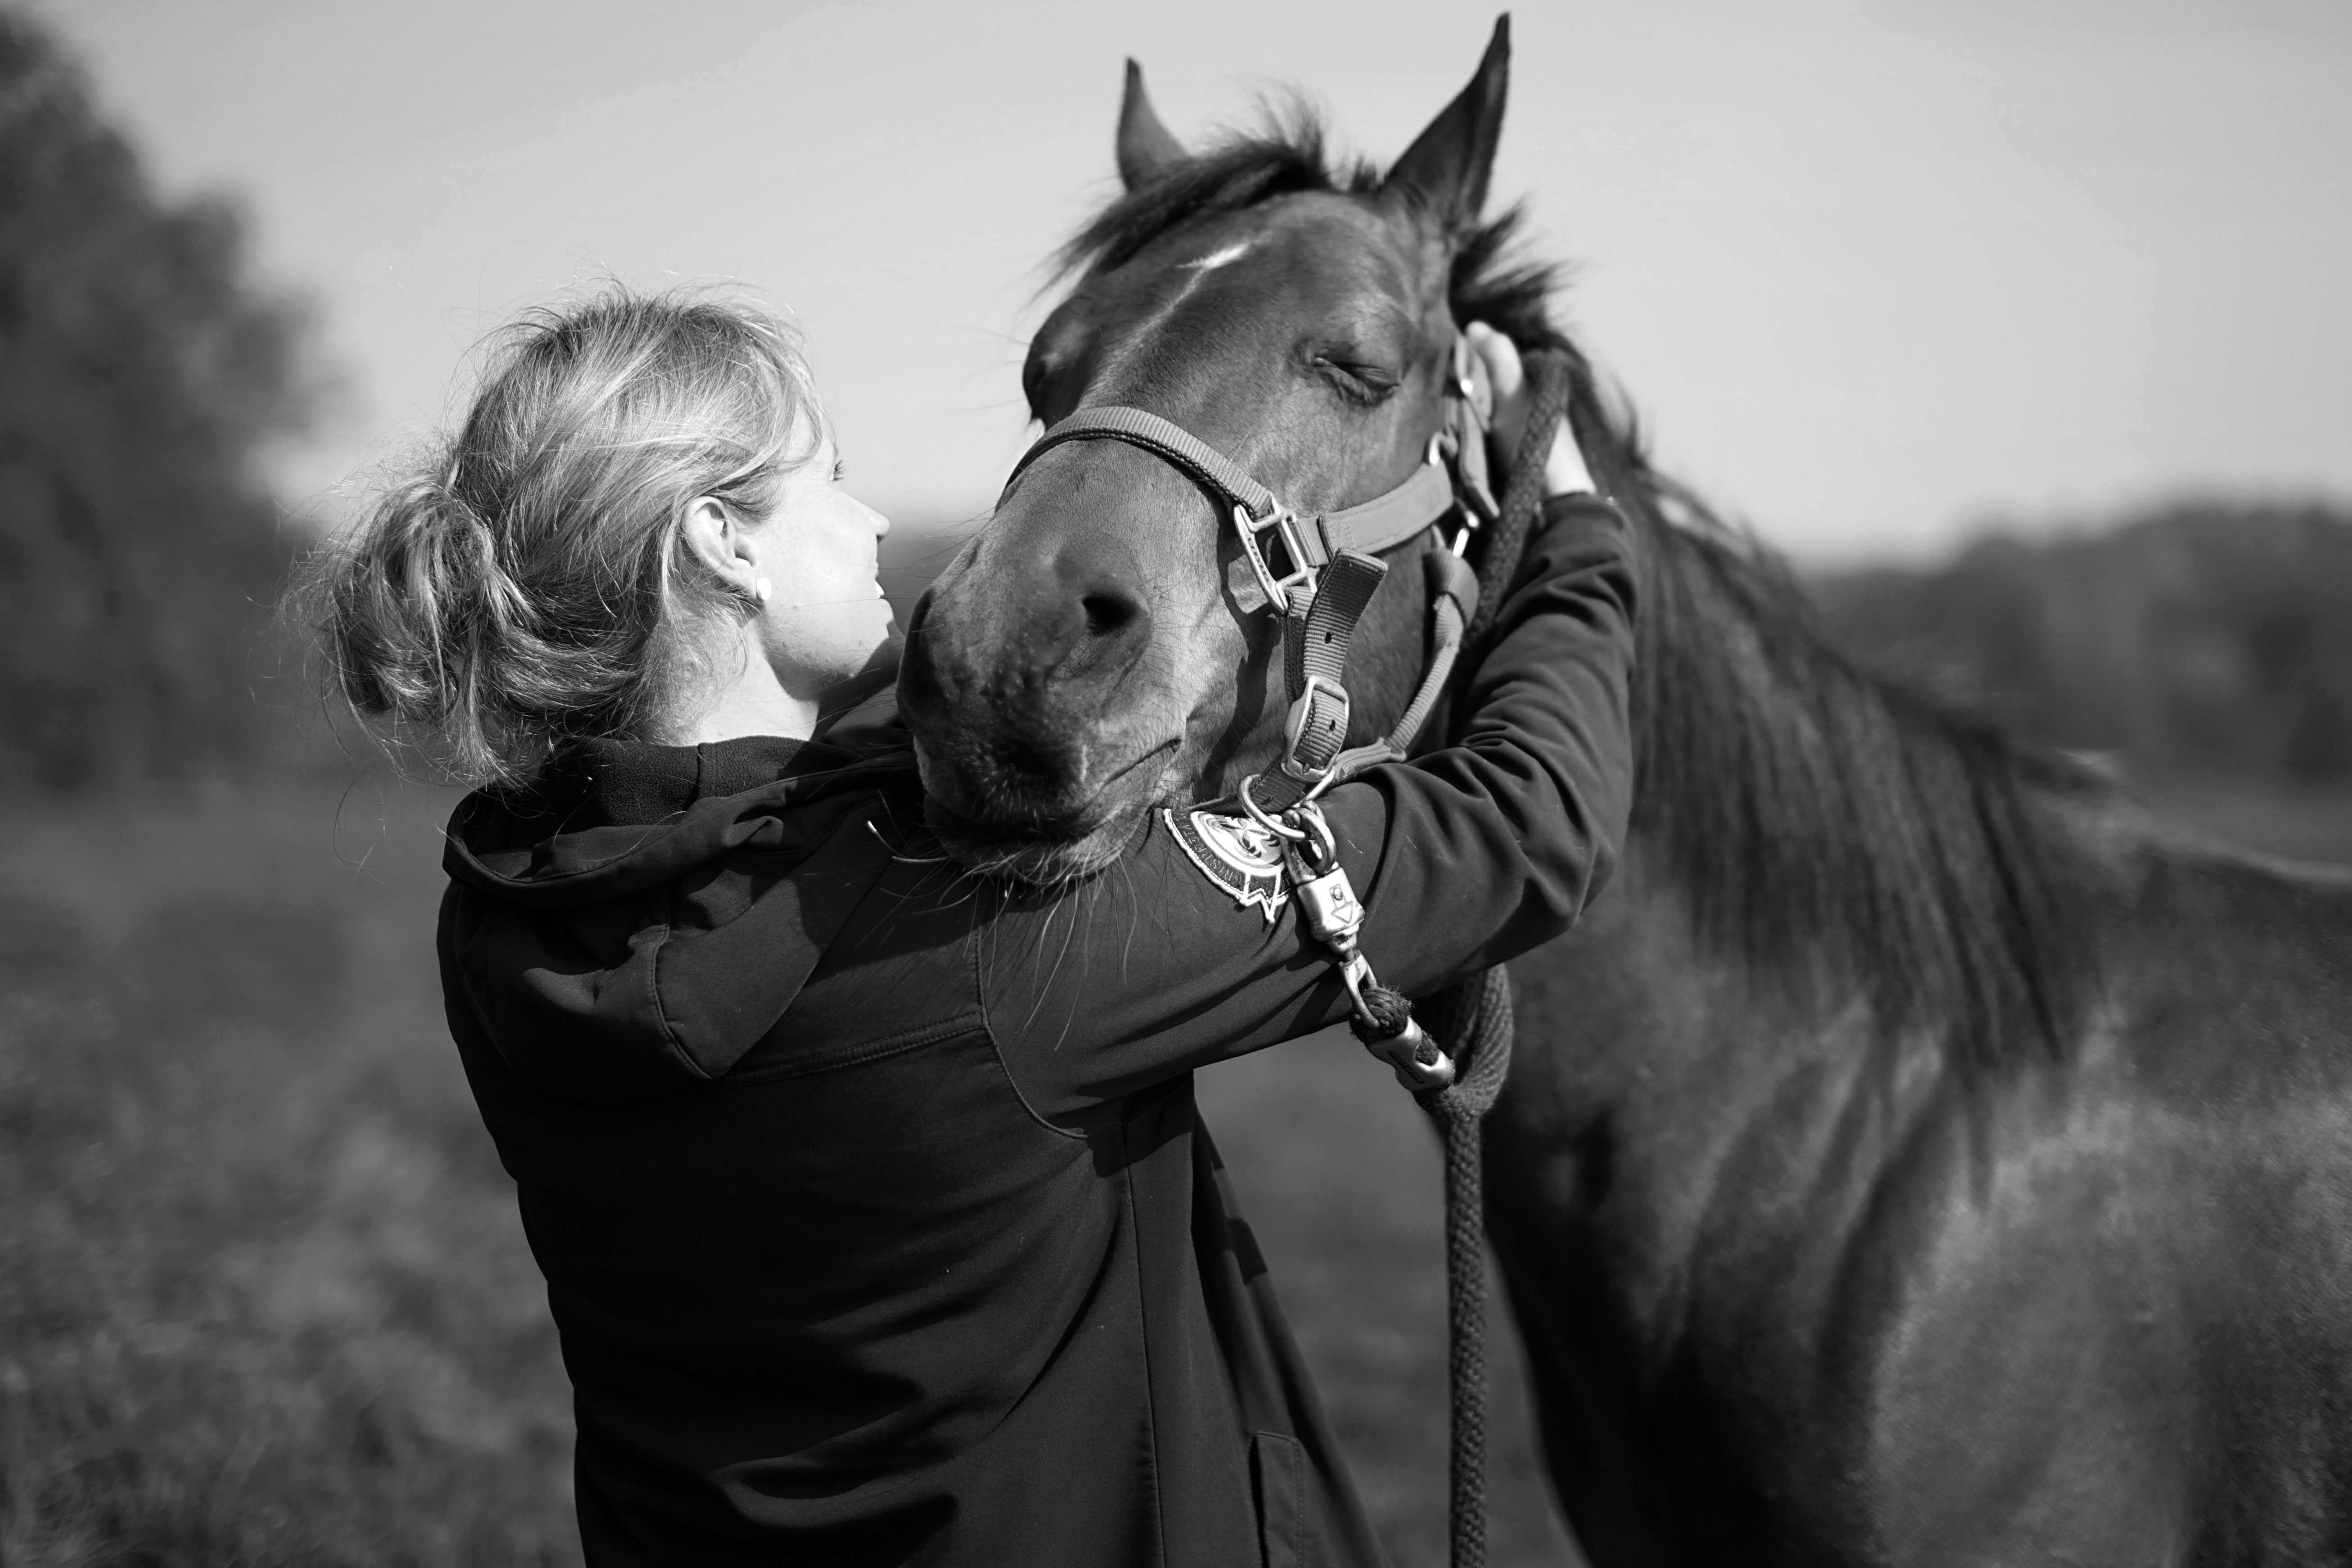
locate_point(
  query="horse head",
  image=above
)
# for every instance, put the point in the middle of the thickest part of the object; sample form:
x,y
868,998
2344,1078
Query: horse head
x,y
1105,645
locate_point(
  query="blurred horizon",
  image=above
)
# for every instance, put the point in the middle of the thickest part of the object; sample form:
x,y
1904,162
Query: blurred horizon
x,y
1876,278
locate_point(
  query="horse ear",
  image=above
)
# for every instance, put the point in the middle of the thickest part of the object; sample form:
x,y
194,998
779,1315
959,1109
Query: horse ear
x,y
1445,172
1145,149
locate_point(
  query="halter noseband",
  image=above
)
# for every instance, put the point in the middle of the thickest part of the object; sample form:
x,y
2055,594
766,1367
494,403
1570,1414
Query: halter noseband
x,y
1330,569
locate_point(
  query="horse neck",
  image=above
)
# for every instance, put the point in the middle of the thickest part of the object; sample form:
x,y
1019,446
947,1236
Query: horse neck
x,y
1829,832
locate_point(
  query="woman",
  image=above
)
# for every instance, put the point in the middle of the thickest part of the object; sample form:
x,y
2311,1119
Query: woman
x,y
872,1204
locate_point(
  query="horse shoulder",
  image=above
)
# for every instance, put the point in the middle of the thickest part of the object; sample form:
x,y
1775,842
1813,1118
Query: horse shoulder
x,y
2137,1288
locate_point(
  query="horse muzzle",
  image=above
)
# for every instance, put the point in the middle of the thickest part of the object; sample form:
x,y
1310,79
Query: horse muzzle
x,y
1035,758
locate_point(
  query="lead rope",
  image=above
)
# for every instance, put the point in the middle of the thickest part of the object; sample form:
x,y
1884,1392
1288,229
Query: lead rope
x,y
1475,1013
1478,1014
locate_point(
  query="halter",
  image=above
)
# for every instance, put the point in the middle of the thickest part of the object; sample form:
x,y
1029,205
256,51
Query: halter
x,y
1331,565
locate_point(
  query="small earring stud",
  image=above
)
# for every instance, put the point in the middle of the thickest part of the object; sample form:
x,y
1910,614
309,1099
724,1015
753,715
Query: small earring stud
x,y
763,589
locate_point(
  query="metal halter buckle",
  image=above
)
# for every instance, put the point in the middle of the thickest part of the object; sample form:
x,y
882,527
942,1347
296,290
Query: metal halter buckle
x,y
1283,523
1302,709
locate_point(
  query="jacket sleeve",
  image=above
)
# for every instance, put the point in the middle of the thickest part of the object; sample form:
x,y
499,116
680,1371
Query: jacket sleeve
x,y
1464,857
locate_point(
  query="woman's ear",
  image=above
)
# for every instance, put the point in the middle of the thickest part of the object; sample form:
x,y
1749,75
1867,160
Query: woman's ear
x,y
716,541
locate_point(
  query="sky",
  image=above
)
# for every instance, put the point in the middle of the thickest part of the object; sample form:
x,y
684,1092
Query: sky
x,y
1874,275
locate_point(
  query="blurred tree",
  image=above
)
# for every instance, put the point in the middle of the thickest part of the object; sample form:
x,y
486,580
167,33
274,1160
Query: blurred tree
x,y
2202,634
140,373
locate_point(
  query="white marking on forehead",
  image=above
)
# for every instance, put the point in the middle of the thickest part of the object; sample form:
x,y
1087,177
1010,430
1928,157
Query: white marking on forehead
x,y
1216,258
1148,330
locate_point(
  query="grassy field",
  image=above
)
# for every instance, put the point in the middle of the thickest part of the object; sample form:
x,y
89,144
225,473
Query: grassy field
x,y
263,1296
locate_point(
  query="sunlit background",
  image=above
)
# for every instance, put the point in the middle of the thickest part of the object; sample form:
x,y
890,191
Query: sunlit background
x,y
2022,327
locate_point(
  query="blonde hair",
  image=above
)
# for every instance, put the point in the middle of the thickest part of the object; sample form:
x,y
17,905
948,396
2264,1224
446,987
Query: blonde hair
x,y
527,586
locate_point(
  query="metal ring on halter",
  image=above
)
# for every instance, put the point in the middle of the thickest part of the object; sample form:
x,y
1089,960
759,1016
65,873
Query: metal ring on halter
x,y
1258,814
1327,845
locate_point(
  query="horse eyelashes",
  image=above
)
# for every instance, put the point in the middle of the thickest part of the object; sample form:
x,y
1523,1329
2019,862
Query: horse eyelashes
x,y
1362,384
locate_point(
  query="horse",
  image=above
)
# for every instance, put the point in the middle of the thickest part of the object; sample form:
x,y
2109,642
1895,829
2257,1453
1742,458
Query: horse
x,y
1919,1153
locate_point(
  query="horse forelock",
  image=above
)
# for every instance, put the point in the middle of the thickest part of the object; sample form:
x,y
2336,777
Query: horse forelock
x,y
1881,836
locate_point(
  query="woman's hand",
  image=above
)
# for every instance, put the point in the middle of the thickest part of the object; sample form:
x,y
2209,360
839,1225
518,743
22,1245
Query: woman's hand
x,y
1564,469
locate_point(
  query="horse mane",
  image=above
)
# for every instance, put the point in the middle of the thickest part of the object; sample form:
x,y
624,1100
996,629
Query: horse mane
x,y
1886,835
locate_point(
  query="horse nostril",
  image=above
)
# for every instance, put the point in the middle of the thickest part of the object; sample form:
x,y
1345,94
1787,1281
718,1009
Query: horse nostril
x,y
1109,612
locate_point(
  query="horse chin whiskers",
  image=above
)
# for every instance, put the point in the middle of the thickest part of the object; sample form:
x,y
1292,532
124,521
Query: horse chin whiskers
x,y
1039,863
1000,827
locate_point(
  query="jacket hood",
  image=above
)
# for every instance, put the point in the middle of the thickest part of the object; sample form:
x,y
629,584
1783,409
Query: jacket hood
x,y
644,915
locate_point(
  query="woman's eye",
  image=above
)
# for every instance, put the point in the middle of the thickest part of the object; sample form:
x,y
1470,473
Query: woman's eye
x,y
840,470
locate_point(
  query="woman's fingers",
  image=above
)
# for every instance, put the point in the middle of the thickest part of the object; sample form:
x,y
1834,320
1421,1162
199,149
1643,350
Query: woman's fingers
x,y
1564,468
1565,472
1502,357
1507,376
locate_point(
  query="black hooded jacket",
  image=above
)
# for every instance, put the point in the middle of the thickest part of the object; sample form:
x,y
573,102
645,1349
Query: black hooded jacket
x,y
874,1212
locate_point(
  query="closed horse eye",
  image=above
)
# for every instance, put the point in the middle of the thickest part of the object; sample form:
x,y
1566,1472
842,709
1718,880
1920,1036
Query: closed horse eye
x,y
1357,382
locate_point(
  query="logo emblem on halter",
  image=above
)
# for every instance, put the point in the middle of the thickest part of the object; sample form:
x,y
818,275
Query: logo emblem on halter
x,y
1235,853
